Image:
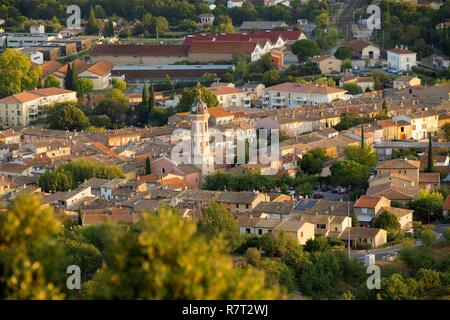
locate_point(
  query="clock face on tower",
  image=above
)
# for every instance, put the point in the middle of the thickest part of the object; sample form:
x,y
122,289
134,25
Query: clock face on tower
x,y
194,109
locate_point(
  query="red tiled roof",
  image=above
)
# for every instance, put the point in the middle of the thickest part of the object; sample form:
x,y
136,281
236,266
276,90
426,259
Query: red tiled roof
x,y
101,68
80,66
49,67
222,47
399,164
357,45
219,112
367,202
151,50
400,51
31,95
224,90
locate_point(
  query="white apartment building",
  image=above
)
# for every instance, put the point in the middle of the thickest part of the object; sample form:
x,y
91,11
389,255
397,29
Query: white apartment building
x,y
291,95
36,57
21,108
401,58
231,97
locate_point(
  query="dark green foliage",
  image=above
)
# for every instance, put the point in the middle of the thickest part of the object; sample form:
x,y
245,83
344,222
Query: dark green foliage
x,y
343,53
217,221
387,220
148,168
67,116
76,172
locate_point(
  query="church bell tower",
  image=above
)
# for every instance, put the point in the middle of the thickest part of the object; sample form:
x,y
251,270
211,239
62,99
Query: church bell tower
x,y
201,155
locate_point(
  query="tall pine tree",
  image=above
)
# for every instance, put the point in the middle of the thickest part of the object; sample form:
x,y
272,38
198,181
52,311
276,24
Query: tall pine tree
x,y
68,79
144,94
362,136
148,168
73,78
151,100
430,153
92,26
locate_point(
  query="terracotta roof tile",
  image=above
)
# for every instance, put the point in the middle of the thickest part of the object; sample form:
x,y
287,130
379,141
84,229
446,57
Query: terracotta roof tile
x,y
367,202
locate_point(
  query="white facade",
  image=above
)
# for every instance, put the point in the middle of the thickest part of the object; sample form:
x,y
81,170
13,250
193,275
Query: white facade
x,y
290,95
370,52
234,3
238,99
401,59
19,40
24,107
36,57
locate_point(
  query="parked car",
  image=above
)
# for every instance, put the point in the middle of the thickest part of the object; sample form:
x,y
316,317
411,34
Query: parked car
x,y
317,196
325,188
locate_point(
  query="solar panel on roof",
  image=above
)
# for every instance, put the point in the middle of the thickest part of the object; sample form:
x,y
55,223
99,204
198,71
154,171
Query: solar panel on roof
x,y
306,204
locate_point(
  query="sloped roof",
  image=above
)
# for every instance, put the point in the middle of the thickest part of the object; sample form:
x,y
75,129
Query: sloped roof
x,y
222,47
399,164
151,50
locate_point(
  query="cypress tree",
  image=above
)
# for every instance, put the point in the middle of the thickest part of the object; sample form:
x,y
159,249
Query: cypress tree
x,y
148,168
430,153
68,79
151,100
73,79
92,26
144,94
362,136
385,108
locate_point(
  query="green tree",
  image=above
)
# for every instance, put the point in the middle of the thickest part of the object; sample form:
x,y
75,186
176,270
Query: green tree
x,y
270,77
188,95
148,168
304,49
253,256
67,116
217,221
445,131
346,64
119,84
84,255
17,73
428,237
387,220
85,86
352,88
311,164
109,29
144,94
364,155
165,259
51,82
82,170
224,24
55,180
319,243
92,27
68,78
343,53
348,173
151,100
397,288
427,206
27,237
